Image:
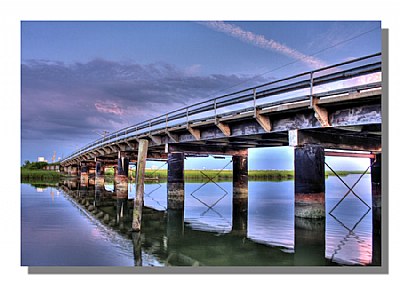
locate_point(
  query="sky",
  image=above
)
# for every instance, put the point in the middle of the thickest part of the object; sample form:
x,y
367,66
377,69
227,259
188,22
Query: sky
x,y
80,79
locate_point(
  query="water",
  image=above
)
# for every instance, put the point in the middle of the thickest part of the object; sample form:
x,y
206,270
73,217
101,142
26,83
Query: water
x,y
55,230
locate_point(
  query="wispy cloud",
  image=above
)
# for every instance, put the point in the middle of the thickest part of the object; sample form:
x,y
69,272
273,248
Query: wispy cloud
x,y
262,42
112,108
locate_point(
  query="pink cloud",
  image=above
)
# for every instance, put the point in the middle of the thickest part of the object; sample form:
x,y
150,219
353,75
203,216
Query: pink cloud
x,y
111,108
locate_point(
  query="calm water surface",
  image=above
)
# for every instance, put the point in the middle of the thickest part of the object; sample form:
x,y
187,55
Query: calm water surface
x,y
56,231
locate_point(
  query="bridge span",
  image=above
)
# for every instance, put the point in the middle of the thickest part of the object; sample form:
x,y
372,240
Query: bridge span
x,y
317,113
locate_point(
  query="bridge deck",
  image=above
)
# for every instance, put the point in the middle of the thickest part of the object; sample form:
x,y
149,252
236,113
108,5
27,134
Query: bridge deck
x,y
264,116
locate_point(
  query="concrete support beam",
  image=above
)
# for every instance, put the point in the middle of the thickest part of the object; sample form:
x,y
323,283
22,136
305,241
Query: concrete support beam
x,y
309,181
343,140
206,149
176,180
140,172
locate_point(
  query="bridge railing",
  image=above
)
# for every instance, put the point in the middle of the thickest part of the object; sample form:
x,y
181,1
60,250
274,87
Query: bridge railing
x,y
290,89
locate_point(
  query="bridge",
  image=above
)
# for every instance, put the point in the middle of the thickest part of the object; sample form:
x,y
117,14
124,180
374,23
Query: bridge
x,y
331,111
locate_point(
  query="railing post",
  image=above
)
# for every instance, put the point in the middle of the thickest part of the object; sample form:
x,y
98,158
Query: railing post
x,y
311,89
187,117
254,102
215,111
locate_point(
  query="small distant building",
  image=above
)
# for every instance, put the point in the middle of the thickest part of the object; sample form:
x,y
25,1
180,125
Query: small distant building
x,y
41,159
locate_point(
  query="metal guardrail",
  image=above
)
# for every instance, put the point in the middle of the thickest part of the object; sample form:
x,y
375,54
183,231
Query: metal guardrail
x,y
307,80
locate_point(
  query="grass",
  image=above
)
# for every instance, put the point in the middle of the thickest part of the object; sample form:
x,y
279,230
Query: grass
x,y
217,175
31,175
34,175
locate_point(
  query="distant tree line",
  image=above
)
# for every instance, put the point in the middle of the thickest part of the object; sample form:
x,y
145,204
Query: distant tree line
x,y
34,165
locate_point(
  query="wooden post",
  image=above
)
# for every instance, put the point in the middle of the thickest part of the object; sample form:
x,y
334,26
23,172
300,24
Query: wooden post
x,y
141,166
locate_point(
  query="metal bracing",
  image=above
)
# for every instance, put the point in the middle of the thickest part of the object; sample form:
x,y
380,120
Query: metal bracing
x,y
351,234
211,179
351,230
350,189
158,186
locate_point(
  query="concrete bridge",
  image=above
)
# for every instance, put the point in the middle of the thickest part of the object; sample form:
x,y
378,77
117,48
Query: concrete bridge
x,y
317,113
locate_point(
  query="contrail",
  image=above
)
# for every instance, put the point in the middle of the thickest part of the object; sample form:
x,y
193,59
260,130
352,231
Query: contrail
x,y
262,42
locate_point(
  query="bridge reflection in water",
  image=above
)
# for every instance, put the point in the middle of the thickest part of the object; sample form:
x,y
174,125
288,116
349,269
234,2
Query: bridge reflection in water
x,y
216,229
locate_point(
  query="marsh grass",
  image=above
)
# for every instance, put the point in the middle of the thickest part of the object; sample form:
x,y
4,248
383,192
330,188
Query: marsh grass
x,y
35,175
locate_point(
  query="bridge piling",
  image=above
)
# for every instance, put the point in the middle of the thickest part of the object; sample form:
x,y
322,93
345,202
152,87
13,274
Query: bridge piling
x,y
140,173
84,174
309,181
99,174
175,181
240,174
240,193
376,182
99,181
121,186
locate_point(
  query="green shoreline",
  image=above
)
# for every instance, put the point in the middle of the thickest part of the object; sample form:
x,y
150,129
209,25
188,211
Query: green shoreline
x,y
190,174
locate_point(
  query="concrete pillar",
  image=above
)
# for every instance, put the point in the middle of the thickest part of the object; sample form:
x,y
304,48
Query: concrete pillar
x,y
175,225
309,181
74,170
176,181
240,193
240,175
92,175
99,182
240,216
309,244
376,184
140,173
376,180
121,187
84,177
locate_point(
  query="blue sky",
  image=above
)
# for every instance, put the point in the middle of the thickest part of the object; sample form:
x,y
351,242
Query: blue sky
x,y
79,79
